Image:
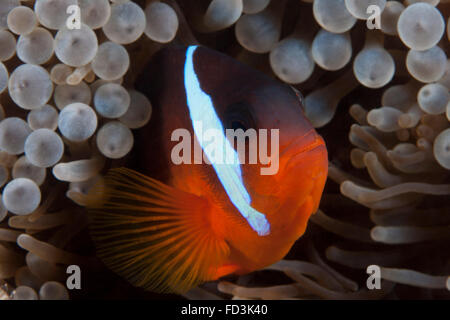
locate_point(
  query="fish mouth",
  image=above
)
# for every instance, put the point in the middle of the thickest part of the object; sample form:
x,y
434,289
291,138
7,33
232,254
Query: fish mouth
x,y
304,159
306,170
309,145
306,167
303,171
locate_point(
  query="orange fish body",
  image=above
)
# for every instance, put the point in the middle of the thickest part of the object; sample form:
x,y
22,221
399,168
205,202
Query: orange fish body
x,y
172,226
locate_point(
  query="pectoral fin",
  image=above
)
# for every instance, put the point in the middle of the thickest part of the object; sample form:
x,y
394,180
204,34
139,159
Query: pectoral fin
x,y
157,237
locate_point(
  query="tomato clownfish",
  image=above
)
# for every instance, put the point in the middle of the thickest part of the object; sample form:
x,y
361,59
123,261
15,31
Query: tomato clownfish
x,y
168,226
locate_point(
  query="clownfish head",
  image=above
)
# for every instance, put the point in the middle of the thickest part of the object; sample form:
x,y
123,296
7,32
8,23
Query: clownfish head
x,y
282,160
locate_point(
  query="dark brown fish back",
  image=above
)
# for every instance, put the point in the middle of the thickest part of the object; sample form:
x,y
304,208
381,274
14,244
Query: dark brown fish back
x,y
162,82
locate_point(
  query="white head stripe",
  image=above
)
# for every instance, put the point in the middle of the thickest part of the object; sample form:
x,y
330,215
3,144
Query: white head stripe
x,y
203,114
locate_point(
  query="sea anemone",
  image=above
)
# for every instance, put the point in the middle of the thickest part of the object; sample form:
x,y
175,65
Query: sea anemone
x,y
379,95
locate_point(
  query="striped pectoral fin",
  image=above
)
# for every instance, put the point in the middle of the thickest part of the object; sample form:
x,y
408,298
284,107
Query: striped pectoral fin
x,y
155,236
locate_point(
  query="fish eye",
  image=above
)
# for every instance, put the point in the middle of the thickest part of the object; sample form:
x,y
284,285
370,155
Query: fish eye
x,y
237,124
238,116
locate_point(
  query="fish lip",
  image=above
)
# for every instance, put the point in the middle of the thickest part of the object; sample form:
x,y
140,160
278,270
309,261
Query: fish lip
x,y
306,142
298,157
301,146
